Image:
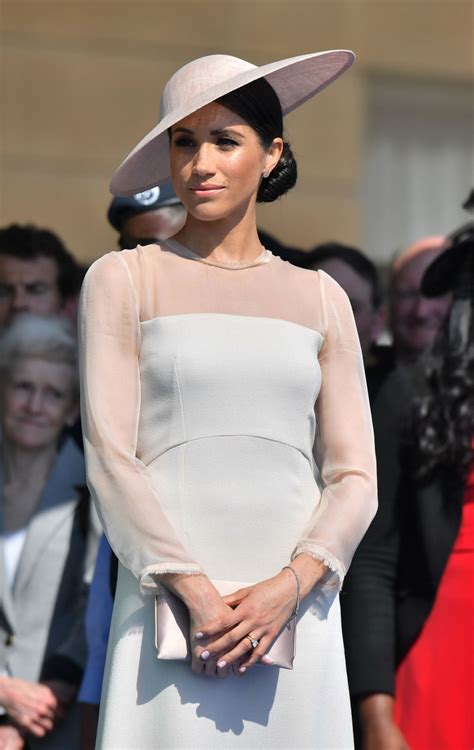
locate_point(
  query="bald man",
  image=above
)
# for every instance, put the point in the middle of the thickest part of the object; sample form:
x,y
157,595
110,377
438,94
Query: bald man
x,y
415,320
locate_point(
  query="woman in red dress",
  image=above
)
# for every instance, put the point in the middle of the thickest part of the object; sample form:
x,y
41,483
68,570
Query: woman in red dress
x,y
411,584
434,685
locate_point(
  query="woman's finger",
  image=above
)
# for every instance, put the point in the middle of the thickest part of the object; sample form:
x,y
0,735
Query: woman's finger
x,y
37,729
47,724
259,653
237,664
215,649
197,665
232,600
216,628
210,668
239,652
222,672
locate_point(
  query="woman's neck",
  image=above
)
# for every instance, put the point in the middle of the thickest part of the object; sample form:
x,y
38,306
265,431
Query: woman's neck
x,y
26,467
26,473
229,240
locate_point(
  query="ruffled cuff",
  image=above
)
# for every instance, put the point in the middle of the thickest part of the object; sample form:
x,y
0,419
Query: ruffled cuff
x,y
336,571
150,585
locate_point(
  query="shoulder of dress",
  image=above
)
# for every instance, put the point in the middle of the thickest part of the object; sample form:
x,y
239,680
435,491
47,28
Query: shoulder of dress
x,y
101,269
292,271
133,260
140,255
305,279
331,289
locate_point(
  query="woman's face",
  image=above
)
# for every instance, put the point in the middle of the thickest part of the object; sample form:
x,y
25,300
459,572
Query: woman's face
x,y
39,400
217,162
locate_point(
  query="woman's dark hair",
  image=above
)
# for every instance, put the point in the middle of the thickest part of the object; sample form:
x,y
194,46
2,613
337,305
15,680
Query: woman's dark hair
x,y
442,425
258,104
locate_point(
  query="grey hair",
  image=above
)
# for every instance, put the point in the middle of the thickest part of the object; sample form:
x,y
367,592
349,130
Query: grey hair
x,y
52,338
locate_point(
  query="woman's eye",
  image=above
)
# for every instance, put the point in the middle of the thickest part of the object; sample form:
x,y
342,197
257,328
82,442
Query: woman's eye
x,y
22,386
54,394
183,143
227,142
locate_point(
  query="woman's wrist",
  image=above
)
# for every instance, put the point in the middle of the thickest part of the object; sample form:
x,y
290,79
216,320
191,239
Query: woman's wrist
x,y
191,589
309,571
297,588
195,589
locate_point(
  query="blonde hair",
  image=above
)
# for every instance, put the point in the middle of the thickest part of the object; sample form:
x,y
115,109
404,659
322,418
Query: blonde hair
x,y
52,338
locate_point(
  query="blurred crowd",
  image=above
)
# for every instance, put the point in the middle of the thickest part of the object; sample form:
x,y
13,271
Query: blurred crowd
x,y
412,577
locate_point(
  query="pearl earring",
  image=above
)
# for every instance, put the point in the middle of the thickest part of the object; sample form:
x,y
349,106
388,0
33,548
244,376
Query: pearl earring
x,y
266,173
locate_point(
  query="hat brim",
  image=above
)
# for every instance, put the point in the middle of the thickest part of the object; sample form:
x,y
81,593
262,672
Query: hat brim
x,y
295,80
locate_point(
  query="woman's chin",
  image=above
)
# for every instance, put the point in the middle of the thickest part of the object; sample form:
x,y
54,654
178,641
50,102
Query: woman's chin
x,y
207,212
31,442
211,211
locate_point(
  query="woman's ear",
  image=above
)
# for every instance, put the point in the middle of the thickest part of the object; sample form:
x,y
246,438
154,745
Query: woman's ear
x,y
273,155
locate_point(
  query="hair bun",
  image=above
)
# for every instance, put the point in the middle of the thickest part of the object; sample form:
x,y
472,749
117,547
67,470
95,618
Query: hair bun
x,y
281,179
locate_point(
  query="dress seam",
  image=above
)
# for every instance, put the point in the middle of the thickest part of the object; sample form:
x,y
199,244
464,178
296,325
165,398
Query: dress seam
x,y
235,315
182,468
132,286
181,405
231,435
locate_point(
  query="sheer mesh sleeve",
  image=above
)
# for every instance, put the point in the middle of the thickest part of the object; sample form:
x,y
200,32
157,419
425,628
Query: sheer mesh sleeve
x,y
109,338
345,446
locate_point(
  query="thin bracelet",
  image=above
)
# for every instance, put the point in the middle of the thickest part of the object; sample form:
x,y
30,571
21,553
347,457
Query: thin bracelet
x,y
297,605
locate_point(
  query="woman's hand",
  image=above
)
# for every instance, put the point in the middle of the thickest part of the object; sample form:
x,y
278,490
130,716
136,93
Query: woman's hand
x,y
260,611
379,731
65,694
205,605
11,739
32,707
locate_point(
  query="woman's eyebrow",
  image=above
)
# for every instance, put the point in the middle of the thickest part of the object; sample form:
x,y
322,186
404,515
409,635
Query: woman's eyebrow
x,y
218,131
227,131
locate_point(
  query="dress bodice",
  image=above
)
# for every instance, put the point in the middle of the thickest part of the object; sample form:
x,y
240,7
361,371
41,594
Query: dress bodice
x,y
179,354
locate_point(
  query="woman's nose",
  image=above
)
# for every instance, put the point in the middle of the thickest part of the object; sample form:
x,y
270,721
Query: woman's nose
x,y
203,161
35,401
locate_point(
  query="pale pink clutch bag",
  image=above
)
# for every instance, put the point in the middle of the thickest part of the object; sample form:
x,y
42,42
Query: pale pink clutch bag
x,y
172,628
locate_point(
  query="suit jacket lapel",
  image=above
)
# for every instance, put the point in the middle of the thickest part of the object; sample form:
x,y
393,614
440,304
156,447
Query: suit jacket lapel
x,y
58,500
6,598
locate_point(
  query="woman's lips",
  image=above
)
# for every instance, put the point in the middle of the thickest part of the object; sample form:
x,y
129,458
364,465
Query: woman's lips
x,y
206,191
25,422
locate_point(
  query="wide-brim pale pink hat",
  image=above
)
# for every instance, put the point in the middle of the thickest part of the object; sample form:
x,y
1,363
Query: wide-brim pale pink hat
x,y
204,80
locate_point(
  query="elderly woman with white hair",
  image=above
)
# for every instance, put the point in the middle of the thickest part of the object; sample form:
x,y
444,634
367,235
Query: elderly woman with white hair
x,y
47,540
